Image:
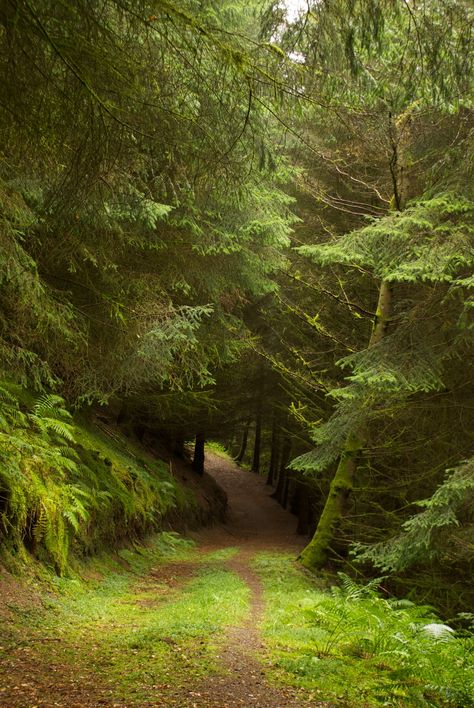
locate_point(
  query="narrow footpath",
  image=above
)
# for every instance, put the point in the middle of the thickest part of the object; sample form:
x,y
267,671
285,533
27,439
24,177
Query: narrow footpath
x,y
255,523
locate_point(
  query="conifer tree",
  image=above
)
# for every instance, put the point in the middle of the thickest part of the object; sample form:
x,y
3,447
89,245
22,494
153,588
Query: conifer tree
x,y
402,98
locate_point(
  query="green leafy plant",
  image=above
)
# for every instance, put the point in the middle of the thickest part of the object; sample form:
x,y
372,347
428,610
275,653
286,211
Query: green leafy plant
x,y
348,642
61,483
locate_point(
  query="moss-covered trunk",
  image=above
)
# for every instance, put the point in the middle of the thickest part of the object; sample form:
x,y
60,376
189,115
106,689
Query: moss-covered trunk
x,y
315,555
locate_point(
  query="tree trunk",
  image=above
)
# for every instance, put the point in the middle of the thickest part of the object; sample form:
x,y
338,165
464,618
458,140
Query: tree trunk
x,y
279,493
315,555
304,508
198,459
286,489
243,446
178,447
274,452
258,418
257,444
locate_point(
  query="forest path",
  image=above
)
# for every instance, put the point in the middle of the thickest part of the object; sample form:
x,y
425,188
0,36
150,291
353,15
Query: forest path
x,y
255,523
105,655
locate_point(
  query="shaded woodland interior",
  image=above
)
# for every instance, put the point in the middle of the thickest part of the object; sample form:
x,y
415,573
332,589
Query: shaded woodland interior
x,y
220,225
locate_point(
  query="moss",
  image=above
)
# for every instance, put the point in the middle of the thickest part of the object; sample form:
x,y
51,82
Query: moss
x,y
315,555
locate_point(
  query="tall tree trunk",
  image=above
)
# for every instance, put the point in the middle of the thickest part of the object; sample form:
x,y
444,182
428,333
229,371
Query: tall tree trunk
x,y
286,490
304,508
258,418
229,444
315,555
279,493
178,447
257,443
274,452
198,459
243,445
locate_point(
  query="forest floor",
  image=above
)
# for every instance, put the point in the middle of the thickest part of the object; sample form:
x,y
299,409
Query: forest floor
x,y
223,620
187,633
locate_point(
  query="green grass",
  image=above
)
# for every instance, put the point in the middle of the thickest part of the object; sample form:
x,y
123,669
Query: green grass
x,y
133,629
218,449
350,646
222,554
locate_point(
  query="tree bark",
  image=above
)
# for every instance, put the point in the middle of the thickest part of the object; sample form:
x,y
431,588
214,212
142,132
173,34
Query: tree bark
x,y
257,443
243,446
316,553
258,418
304,508
286,489
279,493
178,447
274,452
198,459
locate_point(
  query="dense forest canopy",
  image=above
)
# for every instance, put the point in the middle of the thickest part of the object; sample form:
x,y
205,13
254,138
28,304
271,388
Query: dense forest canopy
x,y
220,220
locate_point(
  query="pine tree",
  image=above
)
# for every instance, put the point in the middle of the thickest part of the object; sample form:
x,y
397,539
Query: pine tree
x,y
349,44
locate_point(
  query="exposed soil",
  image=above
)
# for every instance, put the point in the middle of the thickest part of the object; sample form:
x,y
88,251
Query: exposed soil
x,y
254,523
254,520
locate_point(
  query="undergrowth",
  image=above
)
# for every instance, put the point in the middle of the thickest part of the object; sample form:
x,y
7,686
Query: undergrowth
x,y
218,449
349,645
65,483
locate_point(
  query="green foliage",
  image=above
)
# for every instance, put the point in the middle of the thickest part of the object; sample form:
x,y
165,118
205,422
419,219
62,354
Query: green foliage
x,y
423,254
355,647
64,482
218,449
38,313
431,240
429,534
350,41
129,253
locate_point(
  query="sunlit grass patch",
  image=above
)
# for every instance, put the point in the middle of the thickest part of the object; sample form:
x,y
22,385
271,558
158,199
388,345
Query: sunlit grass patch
x,y
347,644
145,644
144,625
219,449
220,555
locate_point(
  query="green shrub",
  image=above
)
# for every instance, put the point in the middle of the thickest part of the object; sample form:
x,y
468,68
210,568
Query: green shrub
x,y
63,482
352,645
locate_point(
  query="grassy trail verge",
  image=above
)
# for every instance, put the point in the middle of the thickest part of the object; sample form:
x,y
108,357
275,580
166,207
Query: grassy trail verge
x,y
134,634
231,621
351,647
166,625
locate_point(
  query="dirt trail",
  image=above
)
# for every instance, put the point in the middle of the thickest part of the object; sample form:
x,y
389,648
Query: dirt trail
x,y
255,522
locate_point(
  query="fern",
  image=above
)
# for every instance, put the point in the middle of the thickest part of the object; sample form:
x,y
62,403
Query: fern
x,y
49,414
62,483
430,241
